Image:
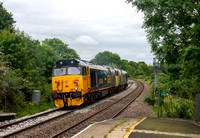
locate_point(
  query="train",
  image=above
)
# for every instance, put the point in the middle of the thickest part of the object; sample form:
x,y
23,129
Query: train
x,y
75,82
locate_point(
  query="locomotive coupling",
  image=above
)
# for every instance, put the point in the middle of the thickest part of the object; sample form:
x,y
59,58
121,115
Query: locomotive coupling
x,y
54,95
76,95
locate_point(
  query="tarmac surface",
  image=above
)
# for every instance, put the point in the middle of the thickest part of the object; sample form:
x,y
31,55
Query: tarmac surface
x,y
137,127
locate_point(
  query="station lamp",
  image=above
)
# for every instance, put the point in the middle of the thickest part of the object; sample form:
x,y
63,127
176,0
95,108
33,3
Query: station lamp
x,y
156,67
156,63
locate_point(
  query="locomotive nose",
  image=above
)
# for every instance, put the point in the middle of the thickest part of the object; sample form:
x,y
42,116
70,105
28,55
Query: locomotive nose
x,y
67,84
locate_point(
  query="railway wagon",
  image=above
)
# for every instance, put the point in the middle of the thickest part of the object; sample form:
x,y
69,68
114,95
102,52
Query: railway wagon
x,y
75,82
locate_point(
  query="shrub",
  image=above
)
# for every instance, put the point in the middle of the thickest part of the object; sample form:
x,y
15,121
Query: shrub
x,y
178,108
185,109
11,96
150,100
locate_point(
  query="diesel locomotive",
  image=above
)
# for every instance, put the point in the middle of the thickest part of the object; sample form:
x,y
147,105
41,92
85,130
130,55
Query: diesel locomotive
x,y
75,82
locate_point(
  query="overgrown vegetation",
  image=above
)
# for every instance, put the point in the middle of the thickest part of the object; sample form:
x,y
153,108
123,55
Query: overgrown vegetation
x,y
11,85
173,30
178,104
113,128
32,108
25,65
135,70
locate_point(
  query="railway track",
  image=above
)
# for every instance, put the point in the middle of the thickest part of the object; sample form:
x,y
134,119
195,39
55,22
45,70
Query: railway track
x,y
24,125
15,127
16,121
108,112
130,99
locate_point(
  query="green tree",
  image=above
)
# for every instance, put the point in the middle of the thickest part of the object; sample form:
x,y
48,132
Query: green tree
x,y
16,49
114,60
106,58
61,48
28,58
6,19
173,30
11,84
46,59
25,64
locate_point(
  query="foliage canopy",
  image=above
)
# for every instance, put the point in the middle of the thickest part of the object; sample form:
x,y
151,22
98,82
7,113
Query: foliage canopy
x,y
6,19
173,31
25,64
112,59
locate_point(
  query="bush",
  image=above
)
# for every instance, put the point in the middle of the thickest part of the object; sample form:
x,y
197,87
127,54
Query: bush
x,y
185,109
11,84
178,108
148,99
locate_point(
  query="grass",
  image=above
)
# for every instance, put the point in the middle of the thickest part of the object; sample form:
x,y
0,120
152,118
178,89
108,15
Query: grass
x,y
155,110
29,110
175,107
113,128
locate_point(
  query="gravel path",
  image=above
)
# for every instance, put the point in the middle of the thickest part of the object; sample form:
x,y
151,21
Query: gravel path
x,y
138,107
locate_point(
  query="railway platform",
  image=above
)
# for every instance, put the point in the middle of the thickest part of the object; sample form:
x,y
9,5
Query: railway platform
x,y
137,127
7,116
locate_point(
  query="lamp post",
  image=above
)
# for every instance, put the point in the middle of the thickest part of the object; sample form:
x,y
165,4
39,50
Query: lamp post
x,y
156,67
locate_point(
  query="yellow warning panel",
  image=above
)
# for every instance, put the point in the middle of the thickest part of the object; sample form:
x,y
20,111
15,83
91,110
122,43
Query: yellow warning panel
x,y
100,81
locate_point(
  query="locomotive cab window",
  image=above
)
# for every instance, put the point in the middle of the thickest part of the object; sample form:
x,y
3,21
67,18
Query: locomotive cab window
x,y
84,71
74,71
59,71
67,71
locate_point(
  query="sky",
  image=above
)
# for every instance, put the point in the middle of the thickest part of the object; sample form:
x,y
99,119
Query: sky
x,y
88,26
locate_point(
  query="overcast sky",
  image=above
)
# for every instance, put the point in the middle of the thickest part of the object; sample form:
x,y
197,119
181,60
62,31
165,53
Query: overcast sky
x,y
88,26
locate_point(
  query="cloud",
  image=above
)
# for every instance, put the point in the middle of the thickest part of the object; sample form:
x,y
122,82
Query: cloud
x,y
108,33
85,40
89,26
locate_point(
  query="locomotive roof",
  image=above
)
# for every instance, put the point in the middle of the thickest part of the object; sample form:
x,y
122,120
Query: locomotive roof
x,y
76,62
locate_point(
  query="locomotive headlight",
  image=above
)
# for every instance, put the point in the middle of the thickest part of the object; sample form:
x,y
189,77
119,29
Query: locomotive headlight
x,y
66,81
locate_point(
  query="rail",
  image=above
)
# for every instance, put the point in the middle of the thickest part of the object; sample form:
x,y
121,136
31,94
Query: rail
x,y
140,88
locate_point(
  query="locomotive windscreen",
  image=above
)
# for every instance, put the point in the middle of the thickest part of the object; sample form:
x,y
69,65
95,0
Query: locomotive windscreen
x,y
66,71
59,71
74,71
